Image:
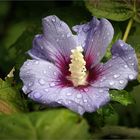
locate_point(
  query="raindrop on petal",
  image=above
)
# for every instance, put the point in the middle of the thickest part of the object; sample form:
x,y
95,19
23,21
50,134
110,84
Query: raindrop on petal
x,y
111,83
85,100
69,94
41,82
46,89
69,35
52,84
131,76
37,95
121,81
125,66
79,96
116,75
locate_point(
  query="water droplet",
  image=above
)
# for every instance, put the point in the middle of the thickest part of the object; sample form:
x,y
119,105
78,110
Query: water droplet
x,y
69,35
55,73
28,63
57,40
116,75
92,40
53,19
108,33
49,67
131,76
121,44
69,102
132,64
113,57
125,66
111,83
79,96
101,90
121,81
36,62
63,35
41,82
59,101
86,28
85,89
85,100
129,57
52,84
44,71
37,95
69,94
46,89
30,84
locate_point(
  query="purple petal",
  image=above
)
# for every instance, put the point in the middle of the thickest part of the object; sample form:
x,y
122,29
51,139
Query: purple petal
x,y
95,37
56,43
39,74
120,69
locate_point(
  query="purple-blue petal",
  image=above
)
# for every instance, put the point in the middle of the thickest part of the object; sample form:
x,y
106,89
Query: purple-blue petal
x,y
95,37
56,43
122,68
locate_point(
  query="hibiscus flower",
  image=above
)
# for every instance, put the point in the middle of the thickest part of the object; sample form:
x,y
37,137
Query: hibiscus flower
x,y
65,69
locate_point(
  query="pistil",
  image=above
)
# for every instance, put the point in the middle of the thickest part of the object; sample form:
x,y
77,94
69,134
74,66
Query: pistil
x,y
77,67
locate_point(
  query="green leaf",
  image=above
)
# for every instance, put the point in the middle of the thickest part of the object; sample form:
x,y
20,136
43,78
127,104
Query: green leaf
x,y
51,125
108,115
123,97
118,10
10,99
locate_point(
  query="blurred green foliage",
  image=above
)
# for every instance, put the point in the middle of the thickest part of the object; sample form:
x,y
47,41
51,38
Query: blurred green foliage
x,y
20,21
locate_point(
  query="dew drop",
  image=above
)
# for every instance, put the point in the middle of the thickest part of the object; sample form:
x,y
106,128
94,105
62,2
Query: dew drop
x,y
129,57
101,90
57,40
79,96
131,76
55,73
59,101
125,66
36,62
46,89
44,71
111,83
69,102
116,75
68,35
121,44
37,95
52,84
85,89
53,19
121,81
49,67
86,28
30,84
68,94
85,100
63,35
132,64
41,82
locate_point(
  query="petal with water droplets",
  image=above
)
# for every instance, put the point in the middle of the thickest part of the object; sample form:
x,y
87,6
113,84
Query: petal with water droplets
x,y
55,44
96,36
118,70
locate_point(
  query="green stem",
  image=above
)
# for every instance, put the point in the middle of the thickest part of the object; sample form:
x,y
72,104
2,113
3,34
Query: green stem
x,y
127,30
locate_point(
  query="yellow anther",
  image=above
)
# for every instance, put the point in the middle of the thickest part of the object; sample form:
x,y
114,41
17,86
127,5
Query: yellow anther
x,y
77,67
